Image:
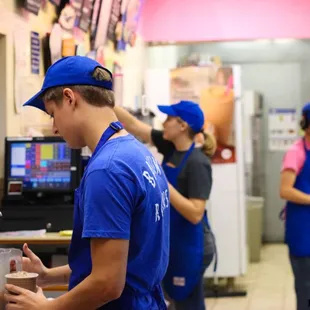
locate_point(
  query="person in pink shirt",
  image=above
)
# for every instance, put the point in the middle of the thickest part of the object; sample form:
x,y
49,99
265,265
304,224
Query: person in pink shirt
x,y
295,189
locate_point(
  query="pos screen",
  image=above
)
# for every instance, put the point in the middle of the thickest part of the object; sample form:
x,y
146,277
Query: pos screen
x,y
40,165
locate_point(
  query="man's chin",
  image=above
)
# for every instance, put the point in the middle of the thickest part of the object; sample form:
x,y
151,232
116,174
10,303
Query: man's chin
x,y
73,145
165,137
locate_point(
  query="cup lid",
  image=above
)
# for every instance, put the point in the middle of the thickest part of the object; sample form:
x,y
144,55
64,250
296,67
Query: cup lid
x,y
21,275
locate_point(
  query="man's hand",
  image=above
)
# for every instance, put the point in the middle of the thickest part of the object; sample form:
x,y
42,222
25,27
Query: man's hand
x,y
25,300
32,263
47,276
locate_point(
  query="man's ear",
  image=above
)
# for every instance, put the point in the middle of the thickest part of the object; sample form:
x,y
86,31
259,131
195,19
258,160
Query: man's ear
x,y
69,97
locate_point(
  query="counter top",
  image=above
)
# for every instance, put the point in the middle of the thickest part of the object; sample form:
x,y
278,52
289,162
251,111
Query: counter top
x,y
57,288
46,239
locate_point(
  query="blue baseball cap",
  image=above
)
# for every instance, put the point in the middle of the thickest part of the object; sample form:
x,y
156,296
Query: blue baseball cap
x,y
72,70
306,110
190,112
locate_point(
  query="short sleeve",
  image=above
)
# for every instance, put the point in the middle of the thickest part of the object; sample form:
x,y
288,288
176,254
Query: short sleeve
x,y
108,204
199,180
294,159
163,146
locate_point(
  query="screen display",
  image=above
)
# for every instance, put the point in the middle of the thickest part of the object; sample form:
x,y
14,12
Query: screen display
x,y
41,166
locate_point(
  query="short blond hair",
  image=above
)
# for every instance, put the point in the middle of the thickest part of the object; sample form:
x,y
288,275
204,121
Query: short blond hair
x,y
93,95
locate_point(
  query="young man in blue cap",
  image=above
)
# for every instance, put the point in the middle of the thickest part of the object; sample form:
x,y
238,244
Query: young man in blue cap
x,y
295,189
189,173
120,244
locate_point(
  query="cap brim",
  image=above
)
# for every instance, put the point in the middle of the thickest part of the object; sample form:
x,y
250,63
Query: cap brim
x,y
36,101
167,109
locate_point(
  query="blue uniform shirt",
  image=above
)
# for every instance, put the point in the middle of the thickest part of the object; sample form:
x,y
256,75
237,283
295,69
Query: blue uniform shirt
x,y
124,195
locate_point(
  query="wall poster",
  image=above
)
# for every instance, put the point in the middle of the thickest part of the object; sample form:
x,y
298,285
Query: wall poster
x,y
212,88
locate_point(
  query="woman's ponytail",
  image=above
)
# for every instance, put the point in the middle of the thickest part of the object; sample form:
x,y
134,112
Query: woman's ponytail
x,y
209,146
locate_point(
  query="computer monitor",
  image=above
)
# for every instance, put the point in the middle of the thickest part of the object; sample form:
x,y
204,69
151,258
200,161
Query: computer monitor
x,y
40,165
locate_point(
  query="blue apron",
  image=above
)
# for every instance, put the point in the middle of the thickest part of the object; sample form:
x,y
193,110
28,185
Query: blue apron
x,y
186,245
297,225
80,258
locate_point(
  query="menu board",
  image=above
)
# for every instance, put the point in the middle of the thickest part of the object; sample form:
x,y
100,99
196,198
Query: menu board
x,y
33,6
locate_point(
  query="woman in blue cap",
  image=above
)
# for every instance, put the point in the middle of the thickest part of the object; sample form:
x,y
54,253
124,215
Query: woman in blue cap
x,y
295,189
189,174
120,245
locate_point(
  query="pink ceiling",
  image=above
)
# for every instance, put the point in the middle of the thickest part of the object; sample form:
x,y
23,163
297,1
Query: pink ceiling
x,y
216,20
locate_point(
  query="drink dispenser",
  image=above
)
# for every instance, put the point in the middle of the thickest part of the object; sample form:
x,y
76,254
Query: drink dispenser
x,y
10,261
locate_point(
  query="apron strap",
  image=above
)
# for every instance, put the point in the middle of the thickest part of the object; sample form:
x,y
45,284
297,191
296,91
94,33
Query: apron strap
x,y
188,153
215,247
113,128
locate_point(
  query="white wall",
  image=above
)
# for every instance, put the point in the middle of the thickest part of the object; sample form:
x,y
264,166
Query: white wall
x,y
133,69
167,56
12,19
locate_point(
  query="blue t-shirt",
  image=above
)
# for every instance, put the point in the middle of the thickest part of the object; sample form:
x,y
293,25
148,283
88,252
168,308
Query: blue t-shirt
x,y
124,195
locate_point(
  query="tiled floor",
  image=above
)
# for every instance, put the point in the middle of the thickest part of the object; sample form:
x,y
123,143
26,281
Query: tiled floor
x,y
269,284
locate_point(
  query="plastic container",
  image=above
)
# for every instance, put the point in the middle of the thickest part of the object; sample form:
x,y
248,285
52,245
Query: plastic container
x,y
10,261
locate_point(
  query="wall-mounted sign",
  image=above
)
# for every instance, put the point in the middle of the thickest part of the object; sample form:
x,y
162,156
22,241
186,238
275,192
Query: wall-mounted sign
x,y
35,52
33,6
282,128
127,28
78,7
103,23
94,21
67,17
115,19
86,15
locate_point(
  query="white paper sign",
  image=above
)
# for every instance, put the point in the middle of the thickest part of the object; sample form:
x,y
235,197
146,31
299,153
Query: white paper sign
x,y
282,128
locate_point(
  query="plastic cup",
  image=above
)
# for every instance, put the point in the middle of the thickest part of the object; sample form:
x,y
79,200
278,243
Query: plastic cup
x,y
26,280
